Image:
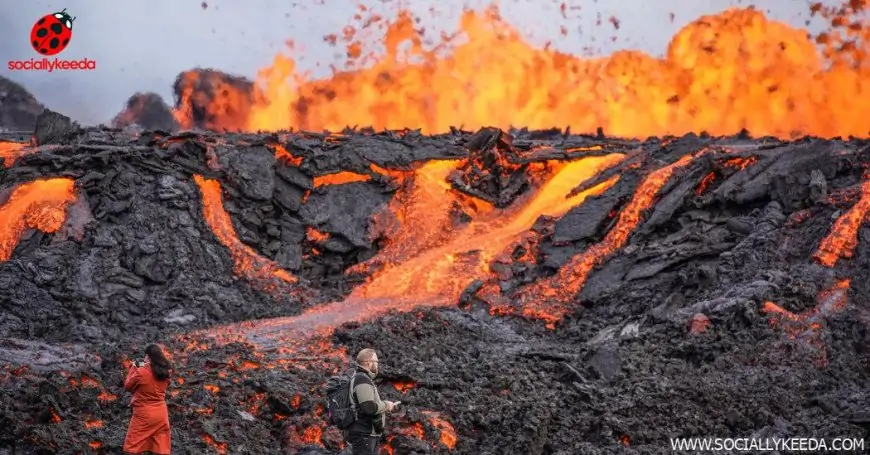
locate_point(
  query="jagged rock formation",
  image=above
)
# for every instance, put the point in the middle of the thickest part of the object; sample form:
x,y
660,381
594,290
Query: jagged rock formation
x,y
18,108
146,111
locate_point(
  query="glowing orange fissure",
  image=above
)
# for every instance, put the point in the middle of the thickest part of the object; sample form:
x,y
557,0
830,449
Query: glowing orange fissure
x,y
340,178
734,163
838,244
546,299
40,204
248,263
807,326
720,74
844,234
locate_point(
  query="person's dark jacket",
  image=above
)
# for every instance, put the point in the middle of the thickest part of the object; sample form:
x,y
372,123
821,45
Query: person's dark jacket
x,y
371,410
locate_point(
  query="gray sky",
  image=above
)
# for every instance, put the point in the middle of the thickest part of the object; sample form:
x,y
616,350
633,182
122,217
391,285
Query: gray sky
x,y
141,45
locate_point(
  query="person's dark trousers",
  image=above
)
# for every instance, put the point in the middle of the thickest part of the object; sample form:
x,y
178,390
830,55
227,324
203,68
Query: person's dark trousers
x,y
363,444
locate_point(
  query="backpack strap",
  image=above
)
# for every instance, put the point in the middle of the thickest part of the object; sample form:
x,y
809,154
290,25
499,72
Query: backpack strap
x,y
352,396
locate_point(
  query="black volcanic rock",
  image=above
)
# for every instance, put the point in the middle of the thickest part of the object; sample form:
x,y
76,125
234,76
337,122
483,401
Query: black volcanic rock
x,y
18,108
55,128
147,111
144,256
493,171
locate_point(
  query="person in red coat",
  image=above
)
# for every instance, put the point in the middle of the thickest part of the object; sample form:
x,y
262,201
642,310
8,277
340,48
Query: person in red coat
x,y
149,430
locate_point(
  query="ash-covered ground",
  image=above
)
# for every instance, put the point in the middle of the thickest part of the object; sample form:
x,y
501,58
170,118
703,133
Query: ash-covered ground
x,y
721,287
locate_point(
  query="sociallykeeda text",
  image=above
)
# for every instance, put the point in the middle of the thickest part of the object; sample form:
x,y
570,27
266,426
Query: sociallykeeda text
x,y
49,64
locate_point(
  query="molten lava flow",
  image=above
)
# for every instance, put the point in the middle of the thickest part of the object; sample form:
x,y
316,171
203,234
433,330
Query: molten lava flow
x,y
404,387
282,155
734,163
10,151
40,204
340,178
429,261
309,435
844,234
247,262
448,433
418,218
443,272
807,326
721,73
705,182
546,299
313,235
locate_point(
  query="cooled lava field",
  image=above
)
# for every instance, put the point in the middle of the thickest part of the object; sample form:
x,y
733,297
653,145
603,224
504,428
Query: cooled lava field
x,y
528,291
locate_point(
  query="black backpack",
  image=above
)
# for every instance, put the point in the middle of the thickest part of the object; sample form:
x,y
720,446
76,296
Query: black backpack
x,y
339,404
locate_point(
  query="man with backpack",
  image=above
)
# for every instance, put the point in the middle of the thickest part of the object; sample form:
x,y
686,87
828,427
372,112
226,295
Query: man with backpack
x,y
365,433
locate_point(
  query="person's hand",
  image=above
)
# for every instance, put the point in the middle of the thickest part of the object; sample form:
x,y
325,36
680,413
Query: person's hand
x,y
391,405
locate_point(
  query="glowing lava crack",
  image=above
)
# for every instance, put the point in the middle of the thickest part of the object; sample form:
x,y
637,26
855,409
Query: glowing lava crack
x,y
37,205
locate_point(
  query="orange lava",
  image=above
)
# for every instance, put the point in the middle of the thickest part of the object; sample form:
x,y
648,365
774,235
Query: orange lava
x,y
316,236
843,238
427,259
734,163
430,260
312,435
93,423
340,178
40,204
404,387
95,444
220,447
398,176
446,430
10,151
247,262
545,299
705,182
807,326
415,431
721,73
282,155
106,397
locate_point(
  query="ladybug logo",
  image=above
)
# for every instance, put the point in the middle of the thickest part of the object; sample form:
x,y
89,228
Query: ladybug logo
x,y
51,33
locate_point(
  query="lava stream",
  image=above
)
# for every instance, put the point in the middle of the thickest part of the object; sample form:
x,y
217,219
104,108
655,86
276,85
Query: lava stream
x,y
340,178
838,244
10,151
546,299
247,262
436,276
40,204
844,234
